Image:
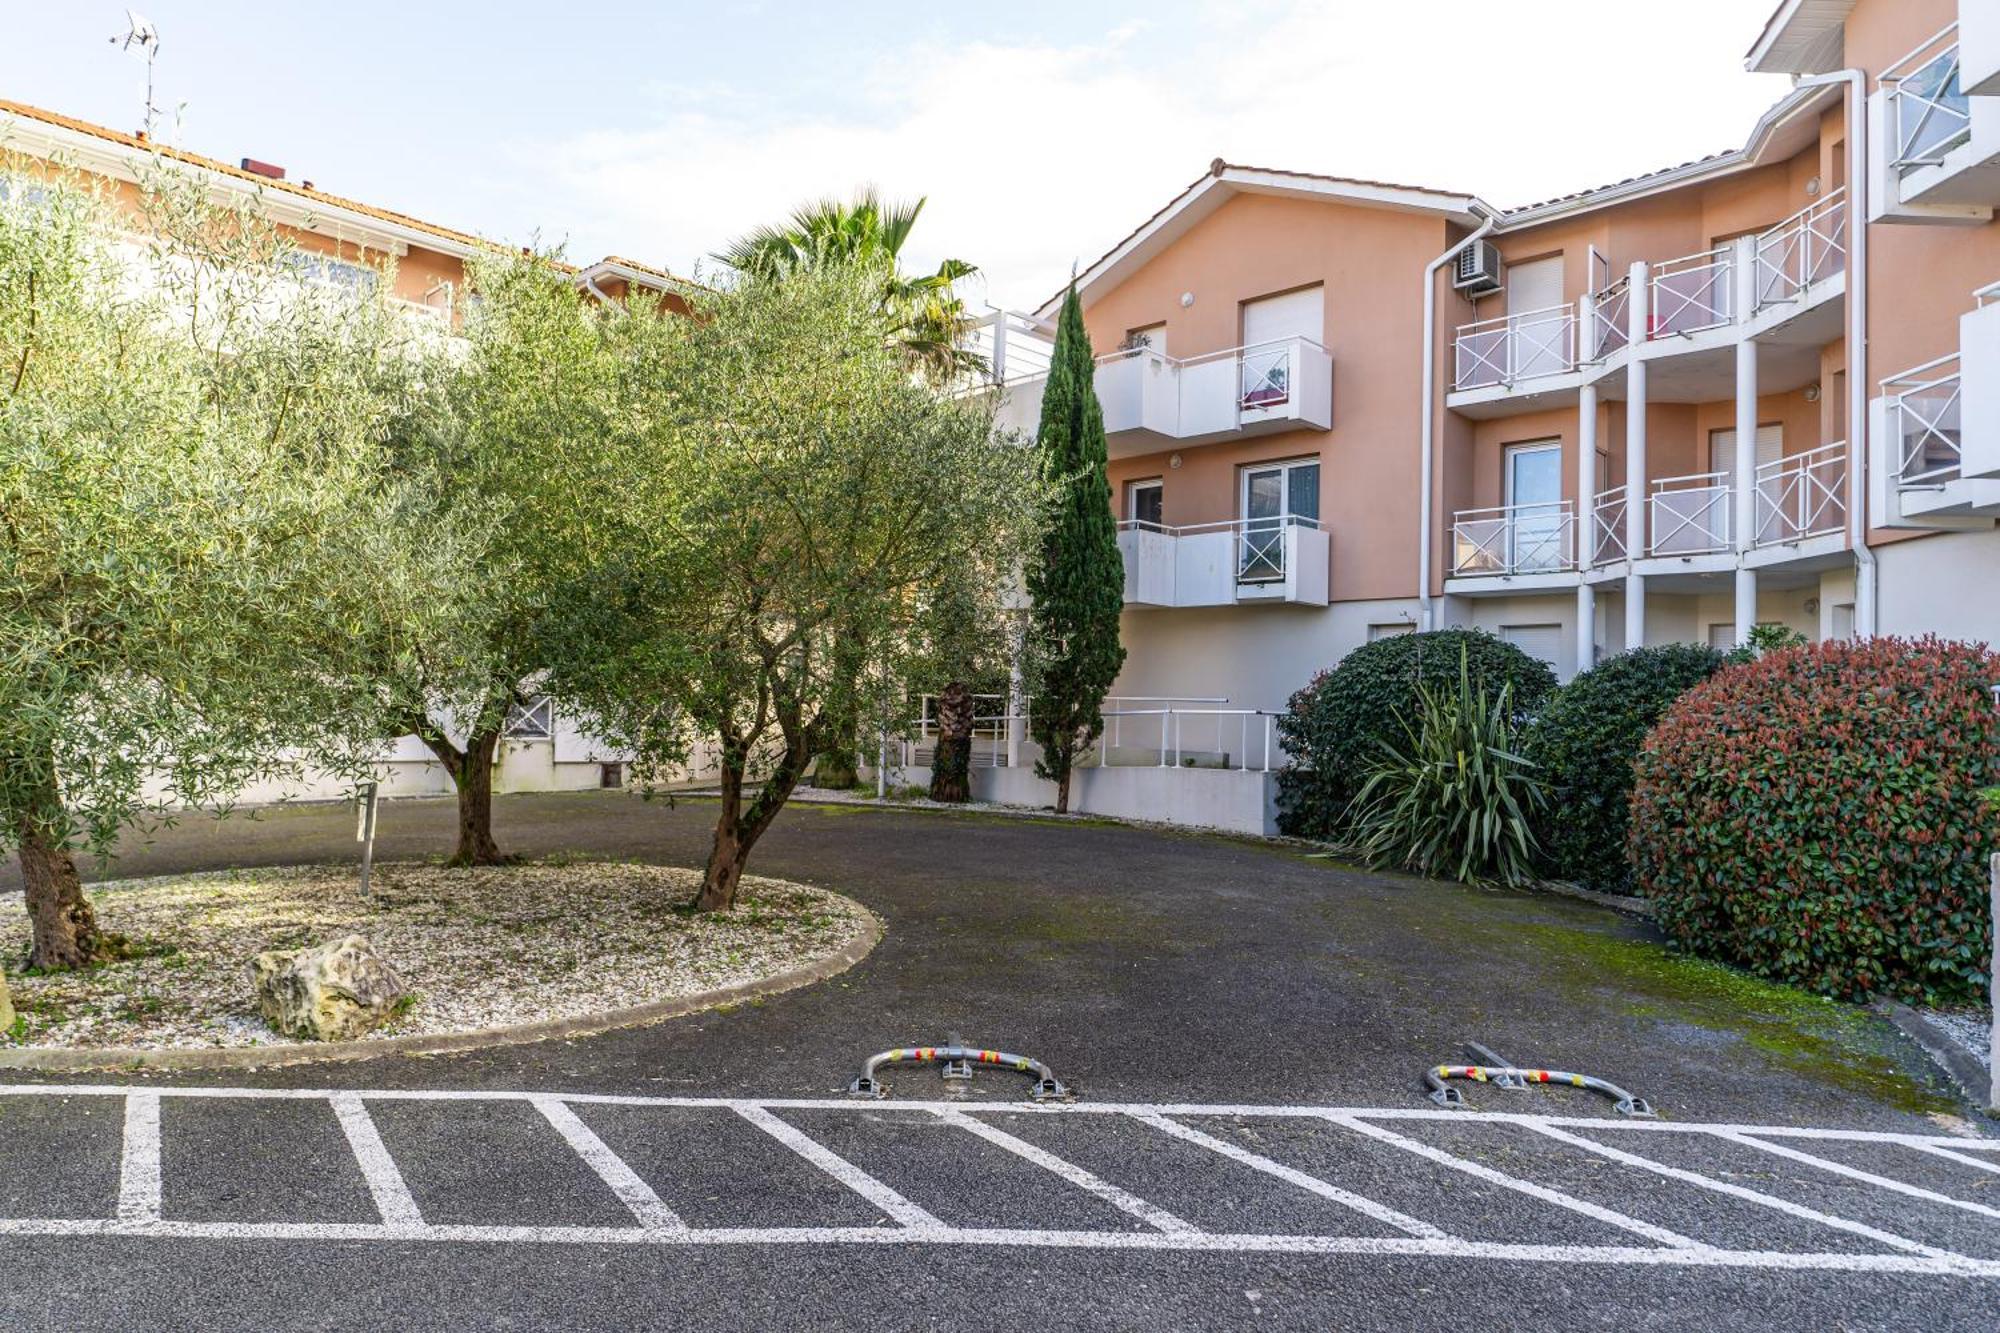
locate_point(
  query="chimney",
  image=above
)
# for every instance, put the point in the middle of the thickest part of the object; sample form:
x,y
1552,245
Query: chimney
x,y
265,169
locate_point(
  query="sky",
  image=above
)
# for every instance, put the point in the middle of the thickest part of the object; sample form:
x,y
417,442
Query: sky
x,y
1041,132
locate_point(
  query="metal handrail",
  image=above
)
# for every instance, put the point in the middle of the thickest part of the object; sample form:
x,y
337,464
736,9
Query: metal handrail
x,y
1989,293
1260,542
1610,318
1803,249
1515,539
1607,527
1926,423
1172,747
1690,514
1510,348
1691,293
1929,112
1802,496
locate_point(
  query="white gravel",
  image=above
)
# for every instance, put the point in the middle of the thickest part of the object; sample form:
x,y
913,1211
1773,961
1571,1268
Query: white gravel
x,y
1971,1028
478,948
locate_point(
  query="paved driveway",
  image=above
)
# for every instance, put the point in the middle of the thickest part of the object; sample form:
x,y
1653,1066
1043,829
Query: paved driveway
x,y
704,1172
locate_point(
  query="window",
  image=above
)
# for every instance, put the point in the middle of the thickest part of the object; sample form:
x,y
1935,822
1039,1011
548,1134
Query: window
x,y
1144,502
1390,629
533,722
1538,641
1843,620
1537,530
1722,636
1153,338
1275,496
610,775
357,278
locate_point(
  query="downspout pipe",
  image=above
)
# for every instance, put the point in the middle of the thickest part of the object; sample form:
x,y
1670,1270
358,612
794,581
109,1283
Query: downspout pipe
x,y
1427,416
1866,599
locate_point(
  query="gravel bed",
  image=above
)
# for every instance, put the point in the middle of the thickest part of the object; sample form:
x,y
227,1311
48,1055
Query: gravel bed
x,y
478,948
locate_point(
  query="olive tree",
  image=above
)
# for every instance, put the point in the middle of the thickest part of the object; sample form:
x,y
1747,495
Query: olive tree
x,y
186,429
510,416
795,488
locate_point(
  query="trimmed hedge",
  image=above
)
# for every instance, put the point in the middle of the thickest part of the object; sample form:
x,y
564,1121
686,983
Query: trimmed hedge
x,y
1584,743
1816,816
1333,728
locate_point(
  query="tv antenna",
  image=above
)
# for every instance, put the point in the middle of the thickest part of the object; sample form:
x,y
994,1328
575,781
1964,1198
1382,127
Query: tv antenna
x,y
142,42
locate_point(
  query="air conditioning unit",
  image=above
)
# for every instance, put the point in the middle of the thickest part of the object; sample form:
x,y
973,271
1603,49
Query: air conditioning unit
x,y
1478,269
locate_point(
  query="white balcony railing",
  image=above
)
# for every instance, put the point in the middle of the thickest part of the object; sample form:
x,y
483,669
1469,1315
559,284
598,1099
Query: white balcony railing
x,y
1515,347
1802,496
1607,526
1805,248
1925,424
1139,729
1690,515
1218,564
1514,539
1691,293
1929,113
1610,318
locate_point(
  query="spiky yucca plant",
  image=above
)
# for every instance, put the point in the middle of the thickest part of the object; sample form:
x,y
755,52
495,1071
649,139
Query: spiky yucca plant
x,y
1454,799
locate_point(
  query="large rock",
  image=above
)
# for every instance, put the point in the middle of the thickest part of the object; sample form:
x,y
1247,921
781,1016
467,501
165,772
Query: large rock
x,y
333,992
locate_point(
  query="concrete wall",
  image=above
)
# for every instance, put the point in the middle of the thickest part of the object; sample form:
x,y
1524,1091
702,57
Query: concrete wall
x,y
1233,801
1942,585
1254,656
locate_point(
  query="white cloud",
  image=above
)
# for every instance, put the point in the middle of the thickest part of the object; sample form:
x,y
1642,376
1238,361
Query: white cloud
x,y
1037,155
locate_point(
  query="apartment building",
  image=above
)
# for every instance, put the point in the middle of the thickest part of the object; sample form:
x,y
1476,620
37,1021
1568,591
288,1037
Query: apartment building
x,y
1758,388
346,242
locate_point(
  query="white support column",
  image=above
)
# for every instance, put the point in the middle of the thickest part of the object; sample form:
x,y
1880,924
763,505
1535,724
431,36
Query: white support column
x,y
1586,523
1743,468
1637,306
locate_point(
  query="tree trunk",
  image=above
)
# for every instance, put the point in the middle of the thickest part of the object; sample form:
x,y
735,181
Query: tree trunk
x,y
737,829
471,773
951,762
1062,791
475,804
65,929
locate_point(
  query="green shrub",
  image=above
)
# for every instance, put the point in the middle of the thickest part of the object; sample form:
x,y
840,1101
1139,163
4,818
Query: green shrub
x,y
1816,816
1585,741
1454,800
1332,728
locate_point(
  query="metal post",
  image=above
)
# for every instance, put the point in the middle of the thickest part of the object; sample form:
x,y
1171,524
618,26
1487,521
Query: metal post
x,y
999,347
1744,465
882,763
1586,492
364,832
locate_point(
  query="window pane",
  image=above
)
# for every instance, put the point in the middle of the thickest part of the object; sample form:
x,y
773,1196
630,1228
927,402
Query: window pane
x,y
1303,488
1264,494
1146,503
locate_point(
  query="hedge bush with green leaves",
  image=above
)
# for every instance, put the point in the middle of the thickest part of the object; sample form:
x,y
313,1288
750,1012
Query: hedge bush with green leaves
x,y
1584,742
1816,816
1333,727
1455,799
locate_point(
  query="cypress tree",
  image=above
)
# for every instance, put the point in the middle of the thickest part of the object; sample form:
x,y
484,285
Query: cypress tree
x,y
1078,587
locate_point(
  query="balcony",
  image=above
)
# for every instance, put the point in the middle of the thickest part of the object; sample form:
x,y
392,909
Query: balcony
x,y
1924,431
1514,348
1930,442
1801,497
1607,526
1691,294
1513,540
1610,318
1938,151
1151,400
1225,564
1805,249
1690,515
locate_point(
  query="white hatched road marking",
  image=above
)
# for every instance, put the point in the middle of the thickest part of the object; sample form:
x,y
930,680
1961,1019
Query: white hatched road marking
x,y
138,1210
623,1181
1739,1192
385,1182
842,1170
139,1160
1235,1152
1151,1214
1528,1187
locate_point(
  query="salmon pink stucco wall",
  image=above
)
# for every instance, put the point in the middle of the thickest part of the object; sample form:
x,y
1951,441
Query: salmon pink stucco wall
x,y
1369,263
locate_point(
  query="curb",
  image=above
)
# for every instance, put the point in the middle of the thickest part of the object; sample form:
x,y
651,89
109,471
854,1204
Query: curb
x,y
129,1058
1971,1076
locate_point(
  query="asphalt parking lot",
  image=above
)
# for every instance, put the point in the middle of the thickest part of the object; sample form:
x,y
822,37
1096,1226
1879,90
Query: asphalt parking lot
x,y
1245,1029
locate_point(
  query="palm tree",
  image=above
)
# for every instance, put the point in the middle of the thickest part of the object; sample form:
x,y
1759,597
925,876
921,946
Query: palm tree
x,y
927,319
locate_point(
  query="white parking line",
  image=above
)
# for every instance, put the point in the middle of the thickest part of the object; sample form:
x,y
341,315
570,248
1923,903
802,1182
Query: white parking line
x,y
137,1211
385,1182
622,1180
139,1160
842,1170
1527,1187
1151,1214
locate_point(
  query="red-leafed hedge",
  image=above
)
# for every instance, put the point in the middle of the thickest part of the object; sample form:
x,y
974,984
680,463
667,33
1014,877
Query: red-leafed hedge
x,y
1816,816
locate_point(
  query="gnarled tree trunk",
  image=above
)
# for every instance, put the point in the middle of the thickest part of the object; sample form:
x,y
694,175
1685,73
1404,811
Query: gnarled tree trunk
x,y
951,761
737,826
65,929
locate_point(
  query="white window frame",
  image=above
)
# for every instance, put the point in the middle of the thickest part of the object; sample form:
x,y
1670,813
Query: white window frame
x,y
1285,465
536,721
1132,489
